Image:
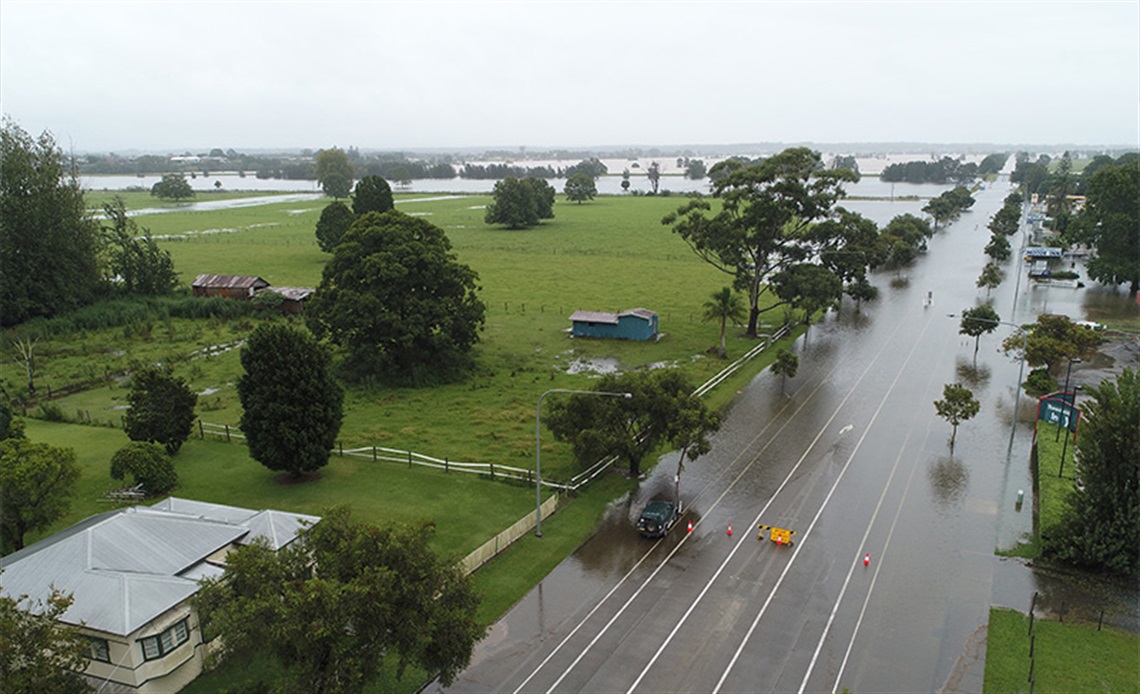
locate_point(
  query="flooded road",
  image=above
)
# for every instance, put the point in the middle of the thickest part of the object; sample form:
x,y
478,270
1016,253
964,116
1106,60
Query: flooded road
x,y
892,571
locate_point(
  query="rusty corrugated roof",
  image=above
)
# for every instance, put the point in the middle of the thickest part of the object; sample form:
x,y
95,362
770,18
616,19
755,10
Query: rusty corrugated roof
x,y
229,281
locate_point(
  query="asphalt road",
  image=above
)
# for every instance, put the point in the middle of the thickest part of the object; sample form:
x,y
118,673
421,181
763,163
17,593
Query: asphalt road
x,y
888,582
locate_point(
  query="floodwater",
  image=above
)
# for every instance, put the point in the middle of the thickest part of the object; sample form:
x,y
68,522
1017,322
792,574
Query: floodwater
x,y
610,184
851,456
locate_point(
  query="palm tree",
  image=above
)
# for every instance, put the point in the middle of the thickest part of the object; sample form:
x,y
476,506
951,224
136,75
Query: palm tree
x,y
725,305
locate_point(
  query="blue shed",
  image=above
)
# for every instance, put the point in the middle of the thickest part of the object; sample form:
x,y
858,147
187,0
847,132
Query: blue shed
x,y
634,324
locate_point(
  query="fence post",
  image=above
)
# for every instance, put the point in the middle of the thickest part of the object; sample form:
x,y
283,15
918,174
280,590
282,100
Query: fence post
x,y
201,434
340,446
1061,614
227,433
374,454
1100,621
445,469
409,458
493,477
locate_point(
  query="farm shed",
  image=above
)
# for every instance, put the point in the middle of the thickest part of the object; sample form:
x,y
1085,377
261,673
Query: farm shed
x,y
295,298
634,324
228,286
133,573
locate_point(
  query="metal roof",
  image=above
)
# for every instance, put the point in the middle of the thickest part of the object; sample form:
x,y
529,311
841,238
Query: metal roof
x,y
126,567
611,318
294,293
229,281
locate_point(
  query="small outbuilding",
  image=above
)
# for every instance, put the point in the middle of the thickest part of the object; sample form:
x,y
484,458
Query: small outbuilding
x,y
634,324
228,286
294,298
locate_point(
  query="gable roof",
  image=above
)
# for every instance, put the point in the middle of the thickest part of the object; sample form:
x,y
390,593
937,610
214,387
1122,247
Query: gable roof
x,y
229,281
126,567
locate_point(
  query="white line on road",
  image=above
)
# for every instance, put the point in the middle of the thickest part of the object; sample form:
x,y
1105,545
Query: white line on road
x,y
819,513
708,585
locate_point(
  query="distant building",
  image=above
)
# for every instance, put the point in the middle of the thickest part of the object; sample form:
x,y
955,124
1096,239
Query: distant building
x,y
634,324
229,286
132,573
295,298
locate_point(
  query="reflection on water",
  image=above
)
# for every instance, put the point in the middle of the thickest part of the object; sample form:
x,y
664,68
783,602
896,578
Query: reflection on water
x,y
971,373
949,479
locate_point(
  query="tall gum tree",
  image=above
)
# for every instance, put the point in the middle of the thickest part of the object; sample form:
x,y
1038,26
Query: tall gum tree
x,y
764,223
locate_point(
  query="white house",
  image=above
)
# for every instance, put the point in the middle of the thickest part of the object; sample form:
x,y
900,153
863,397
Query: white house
x,y
132,573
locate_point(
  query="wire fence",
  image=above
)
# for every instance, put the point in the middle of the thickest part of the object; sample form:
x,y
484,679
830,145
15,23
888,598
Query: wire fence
x,y
492,470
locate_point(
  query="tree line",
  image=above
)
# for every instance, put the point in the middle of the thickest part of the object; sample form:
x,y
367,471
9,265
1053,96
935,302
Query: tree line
x,y
54,256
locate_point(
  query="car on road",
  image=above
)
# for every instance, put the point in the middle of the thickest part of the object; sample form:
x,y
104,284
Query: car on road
x,y
657,517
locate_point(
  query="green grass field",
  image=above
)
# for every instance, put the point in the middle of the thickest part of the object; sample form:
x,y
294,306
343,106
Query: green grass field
x,y
611,254
1068,658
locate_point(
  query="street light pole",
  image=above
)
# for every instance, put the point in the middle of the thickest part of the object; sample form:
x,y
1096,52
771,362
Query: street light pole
x,y
538,447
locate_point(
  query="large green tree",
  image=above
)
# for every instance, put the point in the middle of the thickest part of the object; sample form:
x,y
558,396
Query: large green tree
x,y
1110,224
334,221
519,203
630,428
38,653
48,243
1051,339
161,408
172,187
292,408
1101,526
36,484
133,258
397,300
765,222
331,606
334,172
580,187
372,194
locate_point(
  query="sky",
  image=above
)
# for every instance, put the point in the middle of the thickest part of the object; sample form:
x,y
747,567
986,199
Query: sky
x,y
173,76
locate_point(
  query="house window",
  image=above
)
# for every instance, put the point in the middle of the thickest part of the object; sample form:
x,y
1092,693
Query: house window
x,y
97,649
154,647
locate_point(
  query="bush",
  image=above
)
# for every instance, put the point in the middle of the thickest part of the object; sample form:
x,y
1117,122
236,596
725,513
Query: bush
x,y
148,464
1040,382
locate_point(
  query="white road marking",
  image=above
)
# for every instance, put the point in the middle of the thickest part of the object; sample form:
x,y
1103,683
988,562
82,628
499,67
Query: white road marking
x,y
819,513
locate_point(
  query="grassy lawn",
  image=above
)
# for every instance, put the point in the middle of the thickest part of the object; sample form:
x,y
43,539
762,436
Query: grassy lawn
x,y
611,254
1068,657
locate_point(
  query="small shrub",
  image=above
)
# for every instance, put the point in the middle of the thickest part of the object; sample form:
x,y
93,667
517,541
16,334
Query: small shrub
x,y
148,464
51,412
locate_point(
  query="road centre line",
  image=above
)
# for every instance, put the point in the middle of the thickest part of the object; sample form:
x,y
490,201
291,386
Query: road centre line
x,y
650,551
716,502
863,544
800,544
756,520
879,566
669,556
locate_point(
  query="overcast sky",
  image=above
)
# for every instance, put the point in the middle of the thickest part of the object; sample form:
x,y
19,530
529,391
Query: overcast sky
x,y
173,76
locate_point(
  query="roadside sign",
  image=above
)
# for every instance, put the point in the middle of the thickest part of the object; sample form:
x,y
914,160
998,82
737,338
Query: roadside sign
x,y
1058,411
780,536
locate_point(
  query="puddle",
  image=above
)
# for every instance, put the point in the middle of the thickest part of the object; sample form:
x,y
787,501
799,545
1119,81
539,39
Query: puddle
x,y
602,365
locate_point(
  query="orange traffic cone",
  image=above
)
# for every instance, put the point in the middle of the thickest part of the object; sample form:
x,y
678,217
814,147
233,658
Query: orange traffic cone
x,y
690,526
867,559
730,529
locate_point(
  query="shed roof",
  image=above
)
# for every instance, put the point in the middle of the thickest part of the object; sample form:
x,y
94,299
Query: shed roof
x,y
611,318
229,281
126,567
294,293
